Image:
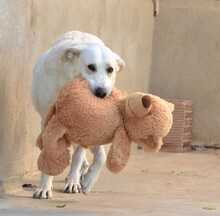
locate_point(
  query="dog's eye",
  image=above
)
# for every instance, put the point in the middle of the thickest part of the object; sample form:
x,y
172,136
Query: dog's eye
x,y
110,69
92,67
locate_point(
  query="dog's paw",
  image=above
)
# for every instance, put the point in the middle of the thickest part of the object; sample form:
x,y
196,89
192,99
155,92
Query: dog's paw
x,y
84,168
87,182
86,186
72,186
43,193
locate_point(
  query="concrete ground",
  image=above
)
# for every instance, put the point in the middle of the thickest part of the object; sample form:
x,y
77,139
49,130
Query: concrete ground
x,y
163,184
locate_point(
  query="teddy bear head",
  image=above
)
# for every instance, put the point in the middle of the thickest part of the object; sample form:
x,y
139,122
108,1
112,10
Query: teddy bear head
x,y
148,119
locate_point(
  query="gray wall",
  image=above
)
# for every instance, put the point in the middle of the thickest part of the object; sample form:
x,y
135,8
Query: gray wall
x,y
186,61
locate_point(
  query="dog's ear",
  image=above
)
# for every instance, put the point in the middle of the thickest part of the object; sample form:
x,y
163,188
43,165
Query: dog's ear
x,y
72,52
120,62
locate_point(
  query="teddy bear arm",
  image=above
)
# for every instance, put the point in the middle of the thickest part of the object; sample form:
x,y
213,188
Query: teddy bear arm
x,y
50,135
50,114
54,163
119,152
171,106
39,142
55,156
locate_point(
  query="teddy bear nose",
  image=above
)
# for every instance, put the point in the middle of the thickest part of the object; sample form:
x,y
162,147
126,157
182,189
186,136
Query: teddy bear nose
x,y
100,92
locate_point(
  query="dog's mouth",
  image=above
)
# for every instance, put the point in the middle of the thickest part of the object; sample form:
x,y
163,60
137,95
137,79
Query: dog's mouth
x,y
100,92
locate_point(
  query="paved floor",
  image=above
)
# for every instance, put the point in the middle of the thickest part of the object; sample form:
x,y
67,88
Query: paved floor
x,y
164,184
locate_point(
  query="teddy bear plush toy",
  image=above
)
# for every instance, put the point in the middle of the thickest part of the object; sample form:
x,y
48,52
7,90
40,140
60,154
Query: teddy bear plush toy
x,y
80,117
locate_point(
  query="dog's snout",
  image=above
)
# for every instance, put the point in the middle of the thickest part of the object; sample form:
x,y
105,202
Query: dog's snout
x,y
100,92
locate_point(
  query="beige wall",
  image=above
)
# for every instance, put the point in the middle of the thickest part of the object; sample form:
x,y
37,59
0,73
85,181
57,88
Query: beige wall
x,y
124,25
18,124
186,61
28,27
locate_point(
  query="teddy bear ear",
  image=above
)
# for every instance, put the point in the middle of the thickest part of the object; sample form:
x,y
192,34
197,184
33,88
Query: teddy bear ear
x,y
146,101
138,105
119,151
171,106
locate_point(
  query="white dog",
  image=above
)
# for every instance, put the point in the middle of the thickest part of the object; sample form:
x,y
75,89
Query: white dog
x,y
74,54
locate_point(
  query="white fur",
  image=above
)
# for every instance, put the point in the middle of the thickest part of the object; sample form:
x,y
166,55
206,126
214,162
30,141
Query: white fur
x,y
52,71
73,178
89,179
45,189
68,58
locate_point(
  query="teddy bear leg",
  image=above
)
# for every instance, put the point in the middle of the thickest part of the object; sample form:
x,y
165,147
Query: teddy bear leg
x,y
73,179
45,189
158,143
89,179
153,144
119,151
55,156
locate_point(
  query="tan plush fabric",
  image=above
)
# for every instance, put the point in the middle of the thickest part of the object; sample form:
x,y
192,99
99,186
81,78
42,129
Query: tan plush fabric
x,y
91,120
55,156
119,152
80,117
148,126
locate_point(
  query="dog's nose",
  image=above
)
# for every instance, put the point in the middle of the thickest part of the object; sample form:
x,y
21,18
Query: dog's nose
x,y
100,92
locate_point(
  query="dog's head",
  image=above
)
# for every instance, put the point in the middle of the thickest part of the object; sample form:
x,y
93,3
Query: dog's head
x,y
97,64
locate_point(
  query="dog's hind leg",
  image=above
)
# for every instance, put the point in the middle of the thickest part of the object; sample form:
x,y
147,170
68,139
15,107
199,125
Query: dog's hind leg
x,y
78,166
45,189
89,179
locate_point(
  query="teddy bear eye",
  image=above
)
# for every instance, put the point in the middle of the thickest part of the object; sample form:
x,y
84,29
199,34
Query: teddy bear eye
x,y
92,67
110,69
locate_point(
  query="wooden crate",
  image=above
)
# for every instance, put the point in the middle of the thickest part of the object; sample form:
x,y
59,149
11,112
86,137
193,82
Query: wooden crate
x,y
180,137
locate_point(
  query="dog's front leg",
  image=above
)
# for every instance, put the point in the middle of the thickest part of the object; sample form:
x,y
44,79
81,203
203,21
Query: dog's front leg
x,y
89,179
78,166
45,189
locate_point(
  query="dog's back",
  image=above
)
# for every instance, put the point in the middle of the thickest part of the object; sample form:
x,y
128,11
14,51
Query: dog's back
x,y
78,37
